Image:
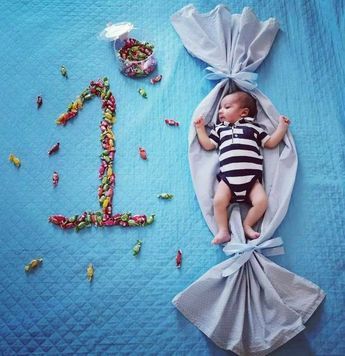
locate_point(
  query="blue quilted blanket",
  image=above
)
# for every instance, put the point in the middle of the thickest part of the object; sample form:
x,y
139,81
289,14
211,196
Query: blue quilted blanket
x,y
127,308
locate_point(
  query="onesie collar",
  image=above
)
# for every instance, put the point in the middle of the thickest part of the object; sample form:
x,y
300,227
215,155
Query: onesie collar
x,y
243,120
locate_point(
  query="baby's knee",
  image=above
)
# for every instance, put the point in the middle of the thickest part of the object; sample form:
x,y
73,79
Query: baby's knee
x,y
220,202
261,202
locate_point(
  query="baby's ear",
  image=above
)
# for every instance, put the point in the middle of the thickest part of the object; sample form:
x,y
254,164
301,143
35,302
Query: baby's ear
x,y
245,112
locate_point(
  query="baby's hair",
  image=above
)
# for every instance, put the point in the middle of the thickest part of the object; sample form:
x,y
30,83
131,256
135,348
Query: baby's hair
x,y
247,101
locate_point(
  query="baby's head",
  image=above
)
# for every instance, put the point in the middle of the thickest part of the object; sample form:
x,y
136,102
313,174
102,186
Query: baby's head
x,y
236,105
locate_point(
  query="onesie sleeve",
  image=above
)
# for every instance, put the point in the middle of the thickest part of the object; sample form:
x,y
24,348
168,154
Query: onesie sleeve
x,y
262,136
214,136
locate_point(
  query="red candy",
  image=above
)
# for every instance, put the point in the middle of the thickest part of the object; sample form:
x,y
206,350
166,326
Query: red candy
x,y
142,153
179,259
39,101
55,179
171,122
54,148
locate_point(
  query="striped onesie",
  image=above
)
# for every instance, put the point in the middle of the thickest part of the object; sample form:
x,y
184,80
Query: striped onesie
x,y
240,158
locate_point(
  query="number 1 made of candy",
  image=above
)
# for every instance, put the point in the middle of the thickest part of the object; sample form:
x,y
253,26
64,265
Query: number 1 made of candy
x,y
104,216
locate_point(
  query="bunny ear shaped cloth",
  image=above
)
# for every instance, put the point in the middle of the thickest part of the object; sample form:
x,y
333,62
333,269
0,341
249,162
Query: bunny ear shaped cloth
x,y
247,303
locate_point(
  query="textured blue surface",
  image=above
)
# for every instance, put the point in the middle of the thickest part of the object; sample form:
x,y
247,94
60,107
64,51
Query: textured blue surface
x,y
127,309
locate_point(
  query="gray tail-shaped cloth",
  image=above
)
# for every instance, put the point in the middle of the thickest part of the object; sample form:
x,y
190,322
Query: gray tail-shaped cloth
x,y
246,304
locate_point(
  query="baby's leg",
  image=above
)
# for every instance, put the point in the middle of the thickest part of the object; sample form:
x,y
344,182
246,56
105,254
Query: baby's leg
x,y
258,199
220,203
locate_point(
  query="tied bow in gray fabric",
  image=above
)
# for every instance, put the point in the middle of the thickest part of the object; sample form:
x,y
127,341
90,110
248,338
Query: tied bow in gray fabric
x,y
246,304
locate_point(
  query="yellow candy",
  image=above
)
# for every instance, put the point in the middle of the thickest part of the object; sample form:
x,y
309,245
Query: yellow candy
x,y
90,272
15,160
109,116
109,172
105,203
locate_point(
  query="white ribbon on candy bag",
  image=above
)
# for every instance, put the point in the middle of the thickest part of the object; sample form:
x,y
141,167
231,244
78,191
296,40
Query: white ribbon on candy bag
x,y
240,253
245,80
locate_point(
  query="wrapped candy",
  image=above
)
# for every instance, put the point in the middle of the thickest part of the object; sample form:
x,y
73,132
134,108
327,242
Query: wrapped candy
x,y
15,160
63,71
137,247
54,148
165,196
39,101
90,271
171,122
33,264
150,219
178,259
142,92
156,79
55,179
143,153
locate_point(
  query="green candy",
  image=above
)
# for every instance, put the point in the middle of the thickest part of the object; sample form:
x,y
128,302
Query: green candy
x,y
125,217
81,225
131,222
137,247
142,92
150,219
165,196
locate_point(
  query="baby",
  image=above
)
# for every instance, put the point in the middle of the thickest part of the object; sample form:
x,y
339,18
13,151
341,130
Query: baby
x,y
238,139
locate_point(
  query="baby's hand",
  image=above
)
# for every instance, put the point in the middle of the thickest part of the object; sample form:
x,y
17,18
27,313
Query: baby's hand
x,y
284,122
199,122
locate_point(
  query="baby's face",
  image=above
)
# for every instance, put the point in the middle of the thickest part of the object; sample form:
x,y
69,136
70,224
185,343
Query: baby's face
x,y
230,109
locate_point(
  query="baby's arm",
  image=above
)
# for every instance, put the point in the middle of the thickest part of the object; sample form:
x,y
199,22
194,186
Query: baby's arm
x,y
204,140
279,133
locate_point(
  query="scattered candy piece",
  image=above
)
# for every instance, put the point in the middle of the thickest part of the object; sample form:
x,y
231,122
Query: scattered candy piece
x,y
171,122
39,101
90,272
63,71
142,92
55,179
165,196
54,148
179,259
33,264
156,79
15,160
137,247
143,153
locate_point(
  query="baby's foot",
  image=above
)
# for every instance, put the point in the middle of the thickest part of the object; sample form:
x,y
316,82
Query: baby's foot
x,y
221,237
250,233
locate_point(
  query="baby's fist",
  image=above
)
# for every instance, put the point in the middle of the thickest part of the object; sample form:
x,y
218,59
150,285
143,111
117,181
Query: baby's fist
x,y
199,122
284,121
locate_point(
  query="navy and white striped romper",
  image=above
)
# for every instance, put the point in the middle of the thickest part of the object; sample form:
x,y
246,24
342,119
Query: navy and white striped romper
x,y
240,158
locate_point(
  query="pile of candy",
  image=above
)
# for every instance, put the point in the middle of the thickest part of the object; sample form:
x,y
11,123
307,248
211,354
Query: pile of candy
x,y
106,174
136,58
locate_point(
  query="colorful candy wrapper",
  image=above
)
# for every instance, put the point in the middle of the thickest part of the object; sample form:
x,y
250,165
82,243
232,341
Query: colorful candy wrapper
x,y
33,264
54,148
15,160
156,79
137,247
143,153
39,101
55,179
142,92
63,71
90,272
165,196
171,122
179,259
